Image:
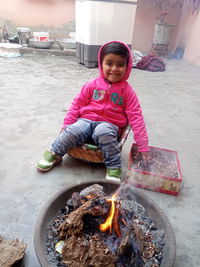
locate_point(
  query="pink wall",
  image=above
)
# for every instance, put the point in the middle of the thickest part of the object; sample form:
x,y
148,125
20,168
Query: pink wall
x,y
192,51
37,12
189,35
186,33
144,24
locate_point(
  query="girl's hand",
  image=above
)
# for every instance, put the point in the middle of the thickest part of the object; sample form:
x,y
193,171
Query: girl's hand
x,y
146,157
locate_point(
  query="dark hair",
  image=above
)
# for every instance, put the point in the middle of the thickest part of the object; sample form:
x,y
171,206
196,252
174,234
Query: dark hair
x,y
116,49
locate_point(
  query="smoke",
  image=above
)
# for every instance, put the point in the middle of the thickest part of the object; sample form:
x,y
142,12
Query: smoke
x,y
142,179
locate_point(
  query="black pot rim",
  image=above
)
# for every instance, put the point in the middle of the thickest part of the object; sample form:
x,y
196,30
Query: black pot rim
x,y
49,210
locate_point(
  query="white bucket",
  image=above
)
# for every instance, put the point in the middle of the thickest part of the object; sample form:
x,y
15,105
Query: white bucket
x,y
41,36
23,29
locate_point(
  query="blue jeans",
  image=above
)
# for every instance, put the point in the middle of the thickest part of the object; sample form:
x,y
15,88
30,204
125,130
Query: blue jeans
x,y
103,134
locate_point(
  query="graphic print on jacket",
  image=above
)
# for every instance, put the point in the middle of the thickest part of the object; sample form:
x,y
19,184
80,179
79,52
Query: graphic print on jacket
x,y
114,97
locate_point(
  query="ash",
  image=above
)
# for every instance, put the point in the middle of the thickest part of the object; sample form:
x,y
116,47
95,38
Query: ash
x,y
135,241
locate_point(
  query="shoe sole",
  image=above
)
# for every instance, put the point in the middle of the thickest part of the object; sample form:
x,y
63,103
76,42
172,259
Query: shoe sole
x,y
48,169
43,170
113,179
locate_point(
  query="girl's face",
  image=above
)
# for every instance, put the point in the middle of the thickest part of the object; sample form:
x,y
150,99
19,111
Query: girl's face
x,y
114,67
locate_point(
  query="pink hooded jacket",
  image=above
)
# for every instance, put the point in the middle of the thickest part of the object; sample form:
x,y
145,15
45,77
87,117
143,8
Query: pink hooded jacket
x,y
116,103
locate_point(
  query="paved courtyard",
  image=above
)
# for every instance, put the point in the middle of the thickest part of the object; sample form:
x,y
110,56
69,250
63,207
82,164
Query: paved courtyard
x,y
35,92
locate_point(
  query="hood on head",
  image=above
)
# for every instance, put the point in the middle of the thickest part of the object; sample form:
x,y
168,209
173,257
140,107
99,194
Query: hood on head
x,y
129,67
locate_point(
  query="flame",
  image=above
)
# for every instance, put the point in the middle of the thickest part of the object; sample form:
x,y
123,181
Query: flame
x,y
109,221
89,197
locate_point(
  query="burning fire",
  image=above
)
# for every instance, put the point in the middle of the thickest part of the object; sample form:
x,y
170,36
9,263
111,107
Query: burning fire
x,y
112,219
89,196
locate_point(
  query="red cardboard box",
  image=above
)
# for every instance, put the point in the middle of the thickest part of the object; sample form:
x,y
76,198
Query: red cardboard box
x,y
161,174
41,36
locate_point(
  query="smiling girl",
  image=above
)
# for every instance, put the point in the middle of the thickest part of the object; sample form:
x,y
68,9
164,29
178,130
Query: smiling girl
x,y
100,111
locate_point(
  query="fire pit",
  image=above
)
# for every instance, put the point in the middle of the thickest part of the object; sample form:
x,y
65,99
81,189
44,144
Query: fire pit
x,y
58,202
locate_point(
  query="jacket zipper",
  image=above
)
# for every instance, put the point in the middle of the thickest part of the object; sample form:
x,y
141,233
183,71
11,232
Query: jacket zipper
x,y
107,98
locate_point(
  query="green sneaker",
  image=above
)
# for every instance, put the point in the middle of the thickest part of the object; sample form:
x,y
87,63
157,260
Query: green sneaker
x,y
47,163
114,174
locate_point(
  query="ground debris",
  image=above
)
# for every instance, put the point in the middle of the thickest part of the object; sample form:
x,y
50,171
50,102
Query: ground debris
x,y
11,251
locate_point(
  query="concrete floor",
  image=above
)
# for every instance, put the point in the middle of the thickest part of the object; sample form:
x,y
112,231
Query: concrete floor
x,y
35,93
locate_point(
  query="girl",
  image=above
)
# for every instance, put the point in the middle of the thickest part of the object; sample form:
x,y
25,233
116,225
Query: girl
x,y
101,110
